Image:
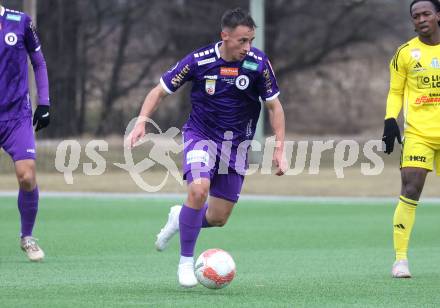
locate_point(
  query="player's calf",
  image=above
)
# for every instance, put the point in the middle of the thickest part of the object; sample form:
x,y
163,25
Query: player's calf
x,y
217,221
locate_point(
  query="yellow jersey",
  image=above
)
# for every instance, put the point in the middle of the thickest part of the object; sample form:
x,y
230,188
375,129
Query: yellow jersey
x,y
415,87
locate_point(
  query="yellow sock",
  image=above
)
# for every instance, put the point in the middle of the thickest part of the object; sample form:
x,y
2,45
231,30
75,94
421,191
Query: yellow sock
x,y
403,222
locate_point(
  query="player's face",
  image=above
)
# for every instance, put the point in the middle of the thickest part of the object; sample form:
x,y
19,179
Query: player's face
x,y
238,41
425,18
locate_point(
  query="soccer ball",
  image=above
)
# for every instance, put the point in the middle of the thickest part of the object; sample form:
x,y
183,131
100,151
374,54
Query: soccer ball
x,y
215,268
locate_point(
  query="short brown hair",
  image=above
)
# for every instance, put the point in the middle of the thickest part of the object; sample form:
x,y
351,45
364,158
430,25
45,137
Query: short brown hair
x,y
237,17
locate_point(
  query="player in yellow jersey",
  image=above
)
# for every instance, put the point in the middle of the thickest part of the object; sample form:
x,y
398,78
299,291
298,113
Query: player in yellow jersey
x,y
415,88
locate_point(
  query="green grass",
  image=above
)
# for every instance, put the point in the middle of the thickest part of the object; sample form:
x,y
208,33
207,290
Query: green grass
x,y
288,254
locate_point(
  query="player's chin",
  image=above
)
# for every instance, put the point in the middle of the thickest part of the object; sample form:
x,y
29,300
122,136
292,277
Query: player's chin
x,y
242,56
424,31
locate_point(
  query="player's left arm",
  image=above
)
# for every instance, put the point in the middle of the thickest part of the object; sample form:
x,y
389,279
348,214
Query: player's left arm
x,y
268,90
42,112
398,76
278,124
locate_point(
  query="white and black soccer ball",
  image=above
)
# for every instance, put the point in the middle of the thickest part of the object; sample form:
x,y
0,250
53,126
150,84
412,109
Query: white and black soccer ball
x,y
215,268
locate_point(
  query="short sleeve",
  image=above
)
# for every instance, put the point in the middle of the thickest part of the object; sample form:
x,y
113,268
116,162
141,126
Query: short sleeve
x,y
267,83
31,40
180,73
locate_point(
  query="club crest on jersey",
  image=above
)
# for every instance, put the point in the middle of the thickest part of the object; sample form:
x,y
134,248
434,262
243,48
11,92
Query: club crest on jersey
x,y
416,54
11,39
210,86
435,63
242,82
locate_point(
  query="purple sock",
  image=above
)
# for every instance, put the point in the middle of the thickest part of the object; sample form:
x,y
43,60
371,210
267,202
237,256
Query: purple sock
x,y
190,223
205,223
28,208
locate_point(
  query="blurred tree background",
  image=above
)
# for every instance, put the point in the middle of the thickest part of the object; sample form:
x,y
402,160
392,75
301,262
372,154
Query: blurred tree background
x,y
331,59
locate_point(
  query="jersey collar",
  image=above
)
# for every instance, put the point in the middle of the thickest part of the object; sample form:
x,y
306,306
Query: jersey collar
x,y
2,10
217,51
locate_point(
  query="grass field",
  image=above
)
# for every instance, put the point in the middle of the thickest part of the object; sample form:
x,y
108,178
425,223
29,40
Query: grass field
x,y
288,254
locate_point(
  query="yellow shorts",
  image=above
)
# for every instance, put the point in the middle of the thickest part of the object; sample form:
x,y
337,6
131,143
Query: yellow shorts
x,y
420,153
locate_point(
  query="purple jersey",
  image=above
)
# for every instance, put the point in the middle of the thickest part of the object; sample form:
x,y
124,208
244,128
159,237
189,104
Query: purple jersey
x,y
17,40
225,95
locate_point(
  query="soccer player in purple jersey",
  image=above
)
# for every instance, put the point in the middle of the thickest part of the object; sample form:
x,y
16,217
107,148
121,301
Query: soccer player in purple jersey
x,y
229,79
18,40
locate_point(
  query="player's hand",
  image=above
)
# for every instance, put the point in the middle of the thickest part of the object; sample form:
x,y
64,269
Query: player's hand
x,y
136,134
280,162
41,117
391,131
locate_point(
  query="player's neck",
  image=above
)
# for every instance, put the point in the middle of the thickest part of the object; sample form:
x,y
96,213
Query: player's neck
x,y
432,40
224,55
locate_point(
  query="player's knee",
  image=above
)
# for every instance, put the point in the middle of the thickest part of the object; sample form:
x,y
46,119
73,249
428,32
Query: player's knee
x,y
198,194
26,180
412,191
218,222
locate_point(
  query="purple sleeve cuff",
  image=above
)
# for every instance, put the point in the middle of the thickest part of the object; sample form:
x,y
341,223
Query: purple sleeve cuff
x,y
41,79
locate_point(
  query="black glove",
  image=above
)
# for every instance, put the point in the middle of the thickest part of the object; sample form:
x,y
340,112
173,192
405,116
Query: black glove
x,y
41,117
391,131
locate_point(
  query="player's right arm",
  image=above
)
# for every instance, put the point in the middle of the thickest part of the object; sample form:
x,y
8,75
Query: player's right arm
x,y
170,82
398,73
150,104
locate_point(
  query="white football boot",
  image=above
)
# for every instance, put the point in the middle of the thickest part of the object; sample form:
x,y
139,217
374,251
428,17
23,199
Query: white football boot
x,y
170,228
29,245
400,269
185,273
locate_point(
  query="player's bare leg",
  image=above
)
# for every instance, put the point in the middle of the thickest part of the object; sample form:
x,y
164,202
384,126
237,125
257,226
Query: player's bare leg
x,y
218,211
413,180
172,225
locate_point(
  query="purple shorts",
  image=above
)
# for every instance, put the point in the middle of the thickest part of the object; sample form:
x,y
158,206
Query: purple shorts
x,y
201,159
17,138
